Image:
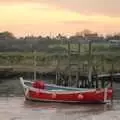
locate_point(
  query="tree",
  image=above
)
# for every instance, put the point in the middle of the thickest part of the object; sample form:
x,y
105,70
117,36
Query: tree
x,y
85,32
61,37
6,36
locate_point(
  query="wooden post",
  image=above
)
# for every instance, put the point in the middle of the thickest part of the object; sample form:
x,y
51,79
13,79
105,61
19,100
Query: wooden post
x,y
103,83
56,73
69,64
112,69
111,82
35,63
90,64
58,70
78,69
97,81
103,63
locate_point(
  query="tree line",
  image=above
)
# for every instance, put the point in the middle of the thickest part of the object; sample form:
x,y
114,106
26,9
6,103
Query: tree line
x,y
8,42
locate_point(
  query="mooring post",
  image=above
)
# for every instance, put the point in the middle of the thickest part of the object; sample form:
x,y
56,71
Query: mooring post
x,y
69,64
90,64
78,69
58,70
56,76
112,81
112,69
35,63
103,63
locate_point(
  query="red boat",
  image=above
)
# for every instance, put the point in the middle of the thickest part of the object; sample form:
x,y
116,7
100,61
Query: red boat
x,y
40,91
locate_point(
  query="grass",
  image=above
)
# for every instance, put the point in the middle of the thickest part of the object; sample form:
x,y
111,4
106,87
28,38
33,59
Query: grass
x,y
49,59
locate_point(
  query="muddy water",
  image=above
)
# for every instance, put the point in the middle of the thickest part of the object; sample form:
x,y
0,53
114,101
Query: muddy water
x,y
16,108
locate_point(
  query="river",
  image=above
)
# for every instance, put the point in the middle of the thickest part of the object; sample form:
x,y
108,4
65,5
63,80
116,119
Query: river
x,y
14,107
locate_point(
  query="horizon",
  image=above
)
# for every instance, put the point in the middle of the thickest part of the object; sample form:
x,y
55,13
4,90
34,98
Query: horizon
x,y
67,17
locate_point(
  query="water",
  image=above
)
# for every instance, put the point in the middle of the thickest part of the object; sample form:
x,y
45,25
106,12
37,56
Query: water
x,y
16,108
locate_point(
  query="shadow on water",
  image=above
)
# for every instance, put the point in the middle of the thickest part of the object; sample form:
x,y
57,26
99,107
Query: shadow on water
x,y
82,111
19,109
71,108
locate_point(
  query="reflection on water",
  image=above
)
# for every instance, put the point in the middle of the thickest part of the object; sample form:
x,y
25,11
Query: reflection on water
x,y
16,108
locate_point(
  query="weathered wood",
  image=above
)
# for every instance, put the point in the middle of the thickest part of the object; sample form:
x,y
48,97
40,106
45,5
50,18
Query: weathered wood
x,y
58,71
69,63
35,63
103,63
78,69
90,63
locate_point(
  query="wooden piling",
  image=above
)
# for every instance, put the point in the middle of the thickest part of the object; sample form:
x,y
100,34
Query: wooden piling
x,y
69,64
112,69
35,63
103,63
58,71
78,68
90,63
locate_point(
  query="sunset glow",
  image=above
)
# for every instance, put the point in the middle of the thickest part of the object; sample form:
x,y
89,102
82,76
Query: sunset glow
x,y
45,18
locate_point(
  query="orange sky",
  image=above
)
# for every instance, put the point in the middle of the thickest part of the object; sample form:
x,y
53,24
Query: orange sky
x,y
44,17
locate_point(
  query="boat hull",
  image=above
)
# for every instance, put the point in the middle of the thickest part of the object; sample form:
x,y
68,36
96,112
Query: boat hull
x,y
67,95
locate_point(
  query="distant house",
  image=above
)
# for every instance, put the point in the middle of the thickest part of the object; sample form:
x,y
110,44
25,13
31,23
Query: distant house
x,y
115,43
76,38
92,36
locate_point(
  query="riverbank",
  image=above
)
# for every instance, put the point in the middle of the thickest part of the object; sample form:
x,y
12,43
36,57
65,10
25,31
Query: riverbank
x,y
11,72
7,72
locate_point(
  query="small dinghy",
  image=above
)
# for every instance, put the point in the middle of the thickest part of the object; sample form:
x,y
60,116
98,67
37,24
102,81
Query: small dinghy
x,y
40,91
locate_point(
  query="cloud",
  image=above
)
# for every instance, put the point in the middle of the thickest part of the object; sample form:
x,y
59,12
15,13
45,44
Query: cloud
x,y
81,22
103,7
88,7
66,16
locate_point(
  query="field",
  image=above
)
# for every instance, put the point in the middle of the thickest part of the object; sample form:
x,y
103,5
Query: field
x,y
103,58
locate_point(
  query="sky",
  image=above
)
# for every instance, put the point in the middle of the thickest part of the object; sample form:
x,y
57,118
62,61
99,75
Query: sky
x,y
50,17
